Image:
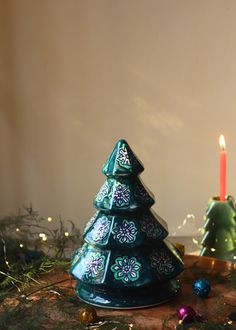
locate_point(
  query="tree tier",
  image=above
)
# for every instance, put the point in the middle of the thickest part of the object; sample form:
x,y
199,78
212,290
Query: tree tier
x,y
121,232
220,215
123,195
218,253
130,268
122,161
220,240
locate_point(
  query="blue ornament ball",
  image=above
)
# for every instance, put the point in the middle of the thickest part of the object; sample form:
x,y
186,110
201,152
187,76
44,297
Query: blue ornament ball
x,y
201,287
33,255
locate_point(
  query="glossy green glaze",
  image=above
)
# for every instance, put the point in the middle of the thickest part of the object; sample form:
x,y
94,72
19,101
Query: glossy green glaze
x,y
146,296
123,194
126,261
122,161
219,239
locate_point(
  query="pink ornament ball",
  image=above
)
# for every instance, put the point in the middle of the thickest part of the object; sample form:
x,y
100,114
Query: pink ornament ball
x,y
186,314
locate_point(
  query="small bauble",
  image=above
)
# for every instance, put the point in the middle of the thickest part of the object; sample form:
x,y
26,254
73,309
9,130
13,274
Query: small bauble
x,y
87,315
201,287
181,249
33,255
186,314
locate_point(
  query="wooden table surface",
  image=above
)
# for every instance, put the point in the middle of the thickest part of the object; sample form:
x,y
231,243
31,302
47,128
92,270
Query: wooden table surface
x,y
216,307
221,301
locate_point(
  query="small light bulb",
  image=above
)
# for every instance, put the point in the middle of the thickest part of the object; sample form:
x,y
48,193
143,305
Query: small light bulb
x,y
234,257
195,241
42,235
44,238
66,234
191,216
49,219
21,245
213,250
17,229
7,262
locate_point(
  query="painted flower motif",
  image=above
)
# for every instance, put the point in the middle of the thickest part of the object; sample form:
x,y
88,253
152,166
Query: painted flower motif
x,y
126,269
123,157
101,228
94,265
103,192
150,228
162,262
125,232
90,222
141,193
121,195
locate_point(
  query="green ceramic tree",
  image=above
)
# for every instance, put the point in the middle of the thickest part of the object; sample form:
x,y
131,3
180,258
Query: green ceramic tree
x,y
125,261
219,239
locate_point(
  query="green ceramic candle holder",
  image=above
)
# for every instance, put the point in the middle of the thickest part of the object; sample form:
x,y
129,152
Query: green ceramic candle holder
x,y
219,239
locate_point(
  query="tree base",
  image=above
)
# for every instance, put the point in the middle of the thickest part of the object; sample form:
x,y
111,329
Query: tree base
x,y
222,255
128,298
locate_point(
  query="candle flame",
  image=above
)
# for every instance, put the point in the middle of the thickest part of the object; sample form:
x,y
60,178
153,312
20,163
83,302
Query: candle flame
x,y
222,142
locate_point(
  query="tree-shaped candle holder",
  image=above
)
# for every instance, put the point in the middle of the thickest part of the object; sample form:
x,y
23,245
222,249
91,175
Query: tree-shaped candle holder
x,y
125,261
219,239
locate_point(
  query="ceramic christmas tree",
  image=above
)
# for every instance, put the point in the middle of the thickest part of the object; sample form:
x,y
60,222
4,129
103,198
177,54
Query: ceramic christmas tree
x,y
219,239
125,261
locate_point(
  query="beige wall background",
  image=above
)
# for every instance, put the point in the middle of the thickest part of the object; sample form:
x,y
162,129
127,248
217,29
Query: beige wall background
x,y
76,75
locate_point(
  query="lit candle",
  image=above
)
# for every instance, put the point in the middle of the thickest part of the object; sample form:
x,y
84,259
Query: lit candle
x,y
222,168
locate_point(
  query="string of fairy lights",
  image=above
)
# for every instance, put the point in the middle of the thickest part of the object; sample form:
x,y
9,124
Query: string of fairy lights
x,y
190,220
33,234
43,236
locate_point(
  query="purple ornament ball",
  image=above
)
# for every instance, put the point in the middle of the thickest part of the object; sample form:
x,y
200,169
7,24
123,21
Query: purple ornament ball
x,y
186,314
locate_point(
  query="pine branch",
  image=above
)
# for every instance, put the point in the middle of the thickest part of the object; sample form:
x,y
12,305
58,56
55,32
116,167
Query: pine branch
x,y
19,264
